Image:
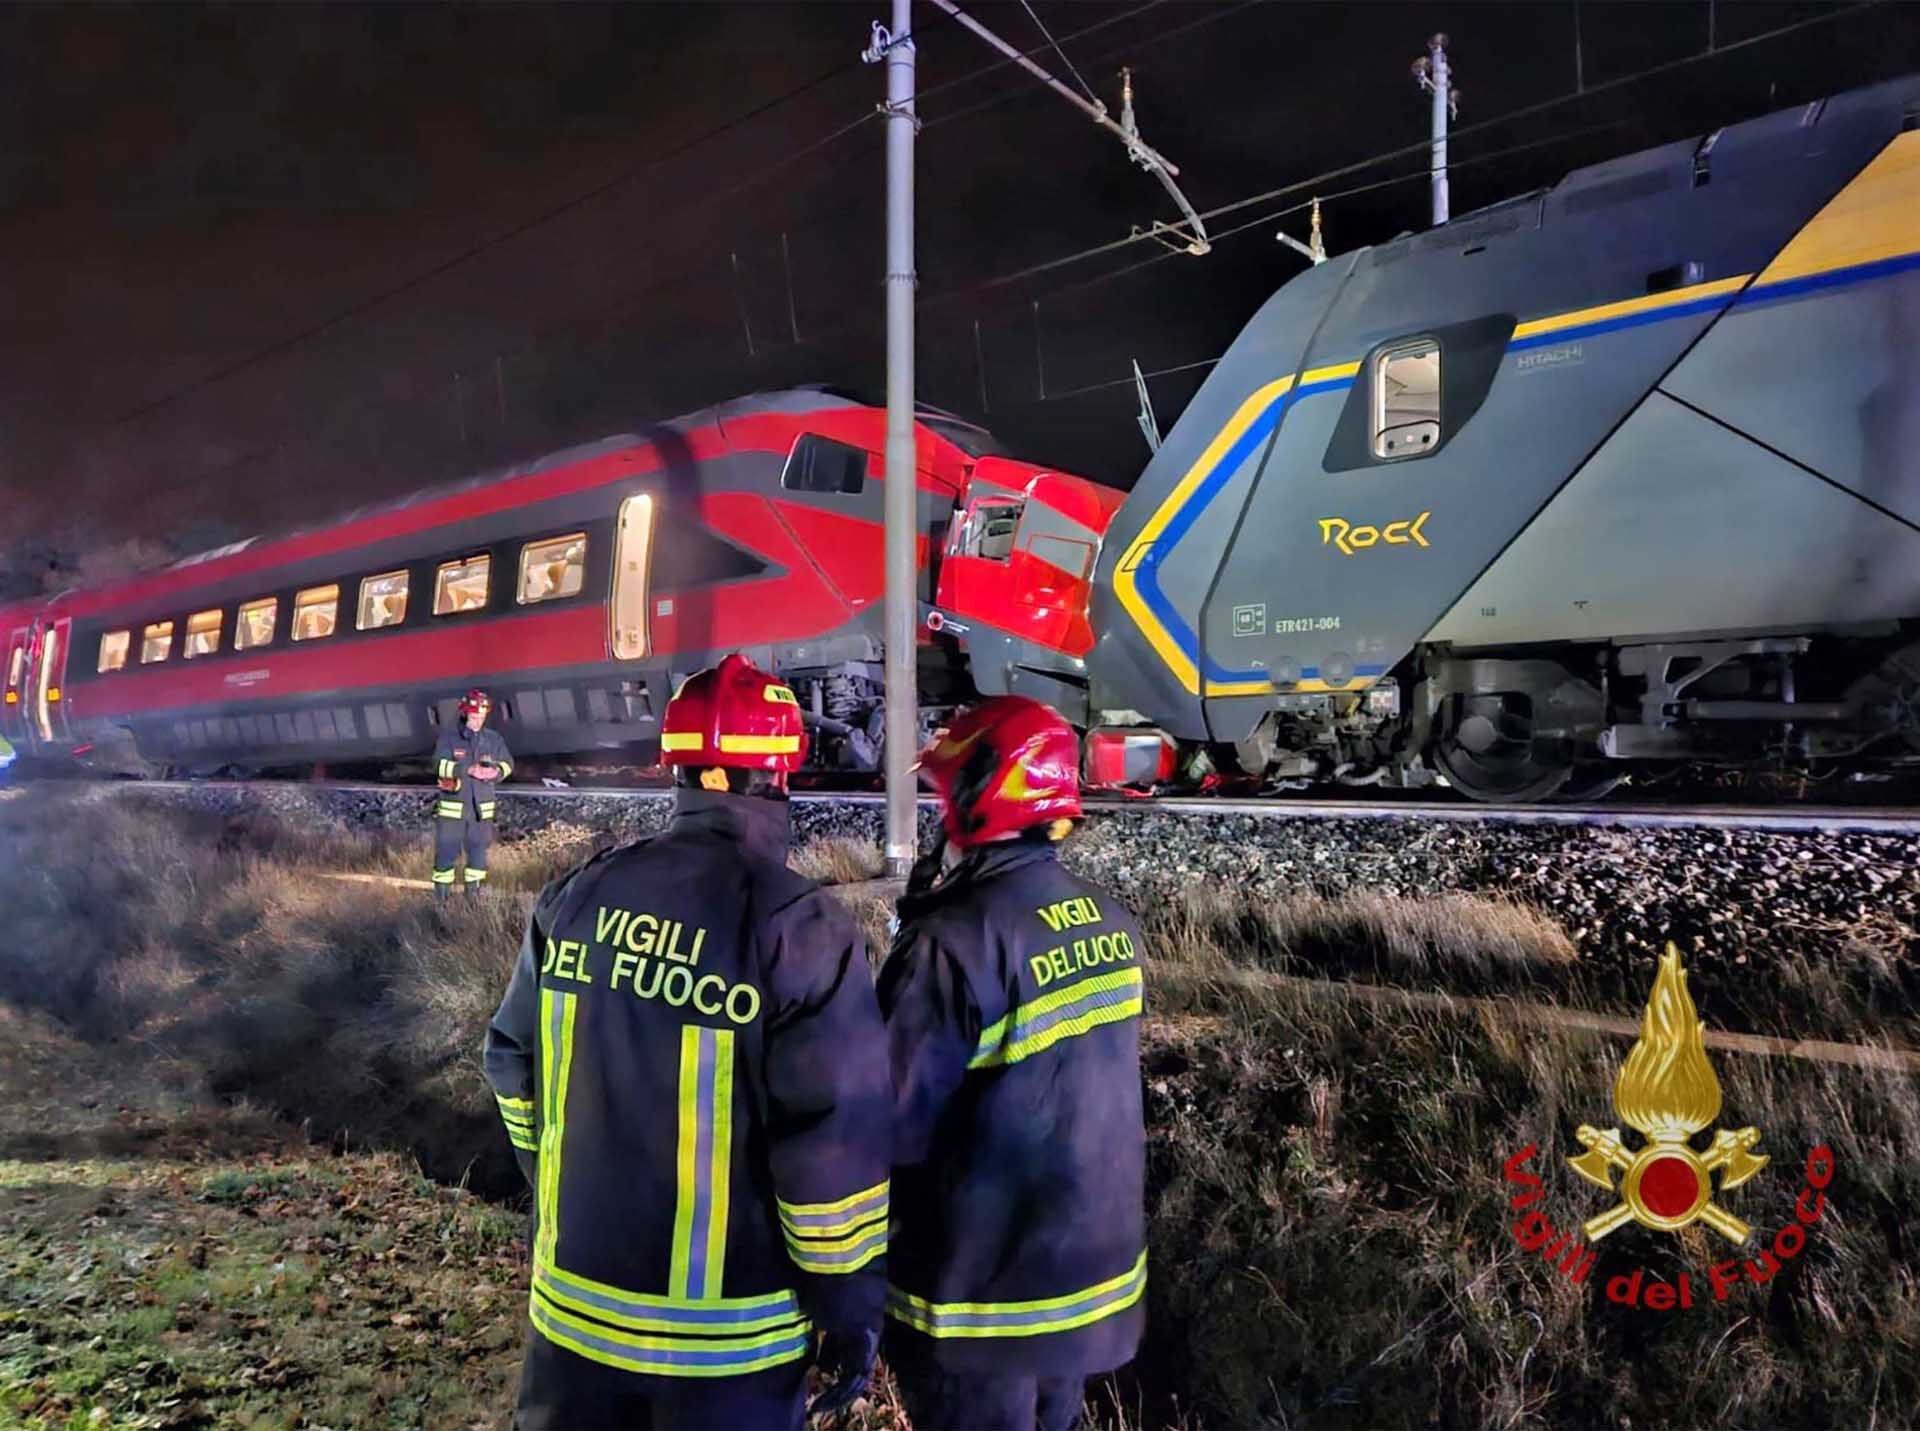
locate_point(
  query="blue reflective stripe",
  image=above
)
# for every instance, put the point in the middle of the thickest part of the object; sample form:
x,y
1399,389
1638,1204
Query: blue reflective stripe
x,y
838,1216
669,1313
703,1169
851,1259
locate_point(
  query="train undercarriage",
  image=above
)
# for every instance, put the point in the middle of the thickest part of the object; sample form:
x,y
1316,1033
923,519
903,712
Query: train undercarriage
x,y
1571,723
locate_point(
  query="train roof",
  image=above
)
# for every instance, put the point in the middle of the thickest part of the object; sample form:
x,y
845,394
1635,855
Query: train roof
x,y
970,440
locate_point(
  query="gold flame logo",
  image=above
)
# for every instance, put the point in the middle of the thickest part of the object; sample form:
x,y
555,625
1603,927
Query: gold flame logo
x,y
1667,1091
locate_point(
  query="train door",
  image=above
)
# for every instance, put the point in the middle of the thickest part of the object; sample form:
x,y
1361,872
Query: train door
x,y
13,706
46,670
632,558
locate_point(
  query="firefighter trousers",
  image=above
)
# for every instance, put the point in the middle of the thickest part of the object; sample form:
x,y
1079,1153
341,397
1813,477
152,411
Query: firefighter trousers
x,y
451,835
560,1391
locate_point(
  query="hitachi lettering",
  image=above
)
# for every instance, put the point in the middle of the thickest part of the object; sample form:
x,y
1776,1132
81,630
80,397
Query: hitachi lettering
x,y
1058,963
645,933
1070,914
652,978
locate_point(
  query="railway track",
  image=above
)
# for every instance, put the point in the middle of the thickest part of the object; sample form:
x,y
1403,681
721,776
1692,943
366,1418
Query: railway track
x,y
1796,819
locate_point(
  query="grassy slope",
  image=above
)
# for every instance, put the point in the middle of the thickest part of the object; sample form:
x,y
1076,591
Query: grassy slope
x,y
1328,1219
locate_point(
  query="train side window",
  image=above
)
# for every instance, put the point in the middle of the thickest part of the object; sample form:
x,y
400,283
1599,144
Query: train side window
x,y
256,624
156,643
1406,399
819,464
316,611
203,634
113,654
383,601
553,568
459,585
17,664
988,530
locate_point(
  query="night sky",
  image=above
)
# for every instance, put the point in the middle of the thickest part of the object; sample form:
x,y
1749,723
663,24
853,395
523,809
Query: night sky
x,y
264,263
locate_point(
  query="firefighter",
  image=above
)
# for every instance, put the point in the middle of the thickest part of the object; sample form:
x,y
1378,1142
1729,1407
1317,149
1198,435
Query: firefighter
x,y
1012,998
691,1066
469,761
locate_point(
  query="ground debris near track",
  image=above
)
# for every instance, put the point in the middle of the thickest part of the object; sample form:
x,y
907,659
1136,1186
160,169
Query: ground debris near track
x,y
222,1079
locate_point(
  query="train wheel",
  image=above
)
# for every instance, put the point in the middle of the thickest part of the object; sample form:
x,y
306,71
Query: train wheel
x,y
1489,751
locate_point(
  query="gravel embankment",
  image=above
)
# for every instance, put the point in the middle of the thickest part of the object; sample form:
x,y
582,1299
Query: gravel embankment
x,y
1722,894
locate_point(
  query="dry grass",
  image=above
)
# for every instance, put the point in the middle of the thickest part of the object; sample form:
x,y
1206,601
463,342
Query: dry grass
x,y
1329,1223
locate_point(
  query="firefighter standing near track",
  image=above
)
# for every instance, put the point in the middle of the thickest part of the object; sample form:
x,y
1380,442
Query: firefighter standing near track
x,y
691,1064
469,762
1012,998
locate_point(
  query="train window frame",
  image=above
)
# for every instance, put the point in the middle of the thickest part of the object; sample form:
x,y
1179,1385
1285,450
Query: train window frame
x,y
216,624
1422,435
311,598
444,579
161,631
241,627
106,662
363,607
16,664
577,570
973,536
817,463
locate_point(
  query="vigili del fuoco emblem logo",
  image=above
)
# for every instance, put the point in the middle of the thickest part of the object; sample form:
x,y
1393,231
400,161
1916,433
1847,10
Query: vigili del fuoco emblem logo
x,y
1667,1092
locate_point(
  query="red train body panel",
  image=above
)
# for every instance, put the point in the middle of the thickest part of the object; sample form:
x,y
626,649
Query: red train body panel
x,y
579,589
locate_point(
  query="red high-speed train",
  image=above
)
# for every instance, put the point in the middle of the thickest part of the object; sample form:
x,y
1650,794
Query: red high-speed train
x,y
579,589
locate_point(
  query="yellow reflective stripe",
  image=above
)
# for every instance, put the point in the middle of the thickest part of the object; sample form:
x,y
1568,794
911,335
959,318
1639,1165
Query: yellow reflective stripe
x,y
670,1356
755,1309
704,1163
641,1311
808,1242
486,811
450,809
556,1027
1021,1319
760,744
1068,1028
994,1036
506,768
828,1219
474,876
443,876
682,740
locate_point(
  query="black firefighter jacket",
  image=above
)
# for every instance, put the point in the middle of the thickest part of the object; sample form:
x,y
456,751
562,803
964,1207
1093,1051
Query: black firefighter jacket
x,y
691,1060
1013,999
458,748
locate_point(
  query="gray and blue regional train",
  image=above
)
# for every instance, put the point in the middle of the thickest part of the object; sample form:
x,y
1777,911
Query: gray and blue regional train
x,y
1620,474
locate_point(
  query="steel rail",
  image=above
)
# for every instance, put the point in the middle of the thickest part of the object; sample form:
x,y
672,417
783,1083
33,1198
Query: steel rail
x,y
1785,819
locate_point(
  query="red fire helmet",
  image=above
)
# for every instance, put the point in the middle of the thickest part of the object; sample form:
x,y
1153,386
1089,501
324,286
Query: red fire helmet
x,y
734,714
475,700
1004,765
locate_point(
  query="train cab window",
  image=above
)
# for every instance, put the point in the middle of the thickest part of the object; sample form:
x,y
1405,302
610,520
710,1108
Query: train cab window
x,y
460,585
988,530
819,464
16,664
1406,399
256,624
316,611
383,601
156,643
113,654
553,568
203,634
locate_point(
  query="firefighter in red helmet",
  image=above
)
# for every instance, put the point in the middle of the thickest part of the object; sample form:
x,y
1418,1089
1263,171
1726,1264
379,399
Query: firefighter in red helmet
x,y
691,1064
1013,999
469,761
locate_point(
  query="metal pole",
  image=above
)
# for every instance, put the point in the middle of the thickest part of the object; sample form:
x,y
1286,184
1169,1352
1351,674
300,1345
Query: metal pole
x,y
1441,84
902,485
